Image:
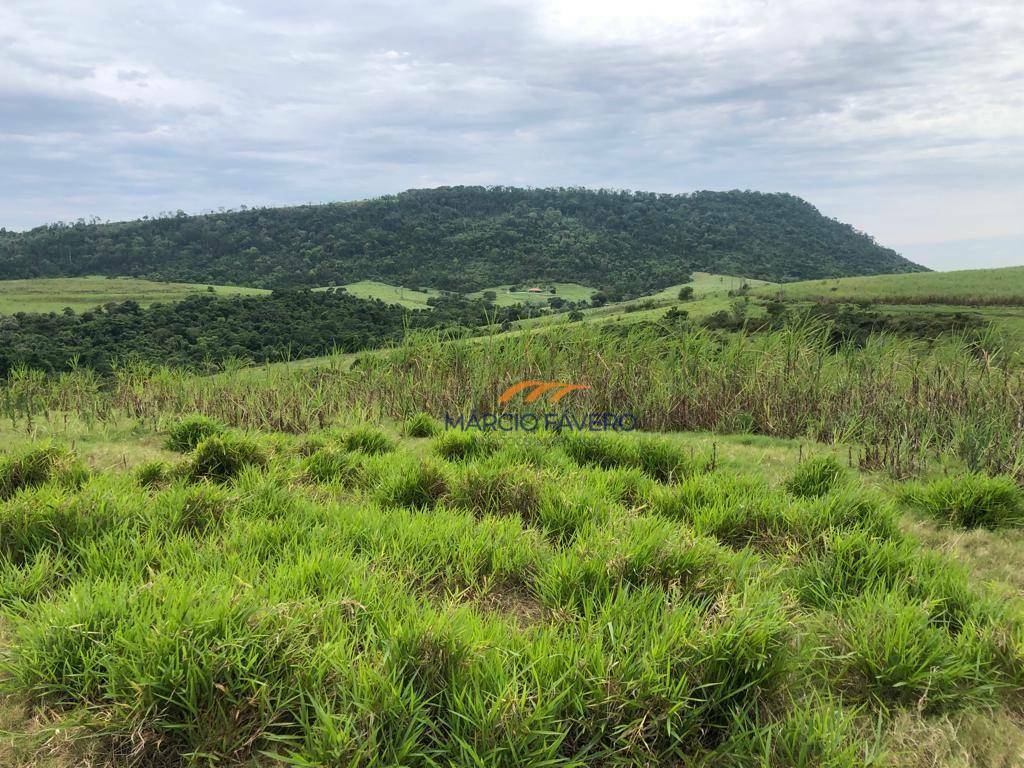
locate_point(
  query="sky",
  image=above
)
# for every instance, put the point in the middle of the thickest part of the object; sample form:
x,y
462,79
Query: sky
x,y
905,119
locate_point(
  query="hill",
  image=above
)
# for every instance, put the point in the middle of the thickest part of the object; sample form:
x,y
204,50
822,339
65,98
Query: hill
x,y
466,239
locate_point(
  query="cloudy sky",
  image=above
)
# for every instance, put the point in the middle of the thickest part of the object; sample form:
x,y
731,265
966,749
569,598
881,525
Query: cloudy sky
x,y
905,119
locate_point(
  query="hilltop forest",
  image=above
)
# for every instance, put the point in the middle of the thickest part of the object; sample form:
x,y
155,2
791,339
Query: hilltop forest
x,y
465,239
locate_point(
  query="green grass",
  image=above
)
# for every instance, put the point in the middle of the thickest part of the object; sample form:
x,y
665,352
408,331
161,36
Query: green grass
x,y
84,293
963,287
544,602
567,291
392,294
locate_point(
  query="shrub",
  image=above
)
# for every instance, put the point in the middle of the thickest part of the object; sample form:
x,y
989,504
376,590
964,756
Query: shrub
x,y
329,465
458,446
970,501
221,458
191,431
815,477
422,425
37,466
369,440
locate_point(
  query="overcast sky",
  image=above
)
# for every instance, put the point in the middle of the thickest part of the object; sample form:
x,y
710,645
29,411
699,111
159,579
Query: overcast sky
x,y
905,119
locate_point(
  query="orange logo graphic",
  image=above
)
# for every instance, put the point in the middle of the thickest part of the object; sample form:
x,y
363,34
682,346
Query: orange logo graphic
x,y
539,389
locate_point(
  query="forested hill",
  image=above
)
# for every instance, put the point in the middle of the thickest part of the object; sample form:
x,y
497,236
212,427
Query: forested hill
x,y
467,238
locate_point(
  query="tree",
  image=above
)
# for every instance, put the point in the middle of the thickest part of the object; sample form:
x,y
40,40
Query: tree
x,y
686,293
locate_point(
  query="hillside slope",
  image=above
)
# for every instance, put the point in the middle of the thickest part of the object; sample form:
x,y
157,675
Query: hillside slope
x,y
468,238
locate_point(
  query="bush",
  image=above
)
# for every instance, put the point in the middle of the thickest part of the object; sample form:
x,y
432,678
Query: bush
x,y
191,431
221,458
970,501
815,477
422,425
368,440
37,466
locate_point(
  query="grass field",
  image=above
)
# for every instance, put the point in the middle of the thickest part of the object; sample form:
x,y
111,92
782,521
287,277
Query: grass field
x,y
317,573
567,291
391,294
357,596
84,293
969,287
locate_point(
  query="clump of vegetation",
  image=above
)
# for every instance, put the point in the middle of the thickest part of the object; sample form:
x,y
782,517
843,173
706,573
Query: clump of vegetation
x,y
970,501
369,440
815,477
456,445
191,431
37,466
422,425
153,474
417,486
894,655
221,458
657,457
329,465
498,489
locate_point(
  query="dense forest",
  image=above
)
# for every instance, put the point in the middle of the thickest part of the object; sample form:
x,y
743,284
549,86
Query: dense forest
x,y
203,331
467,238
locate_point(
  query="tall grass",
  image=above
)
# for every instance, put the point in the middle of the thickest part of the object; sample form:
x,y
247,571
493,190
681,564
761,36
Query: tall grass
x,y
902,400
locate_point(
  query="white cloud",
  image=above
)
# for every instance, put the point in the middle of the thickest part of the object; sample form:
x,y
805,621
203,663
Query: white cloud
x,y
905,118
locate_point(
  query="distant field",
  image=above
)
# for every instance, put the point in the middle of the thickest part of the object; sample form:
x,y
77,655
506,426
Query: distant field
x,y
84,293
392,294
710,295
567,291
977,287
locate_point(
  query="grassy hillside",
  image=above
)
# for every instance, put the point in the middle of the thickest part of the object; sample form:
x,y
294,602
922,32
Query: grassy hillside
x,y
84,293
391,294
465,239
506,297
969,287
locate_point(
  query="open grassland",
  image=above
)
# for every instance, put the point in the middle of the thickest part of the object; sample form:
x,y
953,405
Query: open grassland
x,y
969,287
567,291
85,293
391,294
403,595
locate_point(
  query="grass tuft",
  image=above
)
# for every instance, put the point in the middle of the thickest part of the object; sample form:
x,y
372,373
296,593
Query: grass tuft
x,y
970,501
368,440
39,465
421,425
815,477
188,433
222,458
